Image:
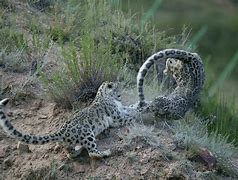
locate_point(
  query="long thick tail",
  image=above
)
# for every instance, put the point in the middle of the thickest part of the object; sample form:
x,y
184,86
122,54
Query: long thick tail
x,y
181,55
26,138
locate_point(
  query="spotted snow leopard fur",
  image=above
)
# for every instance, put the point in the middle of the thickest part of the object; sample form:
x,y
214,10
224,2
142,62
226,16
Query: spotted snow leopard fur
x,y
188,71
80,131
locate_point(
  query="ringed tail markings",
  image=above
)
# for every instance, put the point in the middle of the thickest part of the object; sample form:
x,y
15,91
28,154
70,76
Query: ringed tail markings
x,y
181,55
26,138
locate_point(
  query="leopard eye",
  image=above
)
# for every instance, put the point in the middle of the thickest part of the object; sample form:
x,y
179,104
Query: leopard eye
x,y
109,85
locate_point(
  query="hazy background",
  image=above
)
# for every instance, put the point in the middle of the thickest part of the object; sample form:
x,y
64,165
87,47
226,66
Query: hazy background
x,y
212,24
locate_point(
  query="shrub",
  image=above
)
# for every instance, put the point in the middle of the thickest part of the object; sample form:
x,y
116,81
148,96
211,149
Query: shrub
x,y
97,41
41,5
81,74
14,61
11,40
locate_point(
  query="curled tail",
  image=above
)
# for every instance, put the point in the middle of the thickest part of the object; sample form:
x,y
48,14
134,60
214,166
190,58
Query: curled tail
x,y
26,138
181,55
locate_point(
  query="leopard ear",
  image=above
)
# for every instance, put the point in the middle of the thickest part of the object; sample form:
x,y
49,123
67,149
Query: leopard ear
x,y
4,102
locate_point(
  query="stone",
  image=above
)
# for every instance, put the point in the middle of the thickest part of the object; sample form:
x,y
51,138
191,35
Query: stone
x,y
57,148
7,163
23,148
2,151
61,167
43,117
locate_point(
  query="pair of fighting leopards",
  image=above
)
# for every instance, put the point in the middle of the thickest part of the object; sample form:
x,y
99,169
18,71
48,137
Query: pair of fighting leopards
x,y
107,111
187,69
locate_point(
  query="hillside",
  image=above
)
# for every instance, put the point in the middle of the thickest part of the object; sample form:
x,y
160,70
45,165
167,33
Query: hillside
x,y
54,55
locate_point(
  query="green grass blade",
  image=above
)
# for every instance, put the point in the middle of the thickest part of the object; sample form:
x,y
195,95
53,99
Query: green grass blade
x,y
227,71
197,37
151,12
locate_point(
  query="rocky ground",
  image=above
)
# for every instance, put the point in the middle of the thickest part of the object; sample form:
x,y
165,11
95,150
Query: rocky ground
x,y
140,152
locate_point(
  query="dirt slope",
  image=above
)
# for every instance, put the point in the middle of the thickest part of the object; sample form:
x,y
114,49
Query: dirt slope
x,y
154,155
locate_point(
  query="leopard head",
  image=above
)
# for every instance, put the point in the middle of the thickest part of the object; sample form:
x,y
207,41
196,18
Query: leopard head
x,y
110,90
172,66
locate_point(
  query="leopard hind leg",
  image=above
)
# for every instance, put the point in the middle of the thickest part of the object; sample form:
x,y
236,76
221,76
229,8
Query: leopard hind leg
x,y
89,142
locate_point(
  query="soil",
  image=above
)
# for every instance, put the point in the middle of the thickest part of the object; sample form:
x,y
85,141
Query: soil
x,y
132,158
137,158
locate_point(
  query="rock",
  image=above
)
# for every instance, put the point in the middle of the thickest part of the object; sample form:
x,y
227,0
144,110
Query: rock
x,y
36,173
37,105
2,137
34,157
65,167
209,158
7,163
57,148
23,148
45,156
43,117
2,151
10,114
78,168
61,167
182,169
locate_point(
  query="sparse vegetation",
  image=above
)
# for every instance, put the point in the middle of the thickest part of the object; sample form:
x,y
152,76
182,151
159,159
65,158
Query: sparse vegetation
x,y
214,103
41,5
52,175
224,113
69,48
11,40
140,130
193,133
98,48
14,61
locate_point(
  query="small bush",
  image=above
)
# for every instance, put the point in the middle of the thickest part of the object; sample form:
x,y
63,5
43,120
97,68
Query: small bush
x,y
14,61
41,5
6,5
34,26
95,48
65,21
12,41
58,34
81,74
